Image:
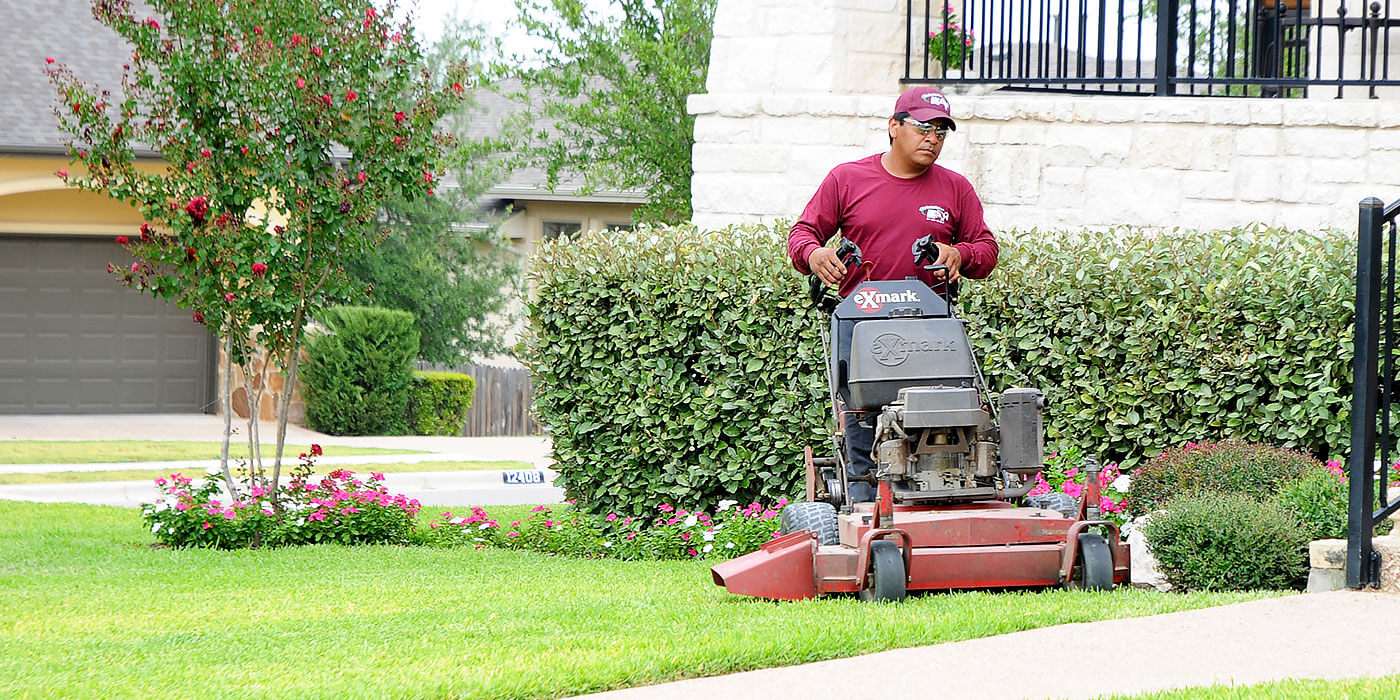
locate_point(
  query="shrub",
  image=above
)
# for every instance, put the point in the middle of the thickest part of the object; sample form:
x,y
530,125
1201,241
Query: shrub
x,y
1140,353
1223,542
439,402
1319,500
674,534
359,372
687,369
1258,471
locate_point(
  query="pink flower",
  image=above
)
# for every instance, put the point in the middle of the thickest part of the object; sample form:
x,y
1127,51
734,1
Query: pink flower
x,y
665,508
297,39
361,176
257,30
301,82
316,451
152,23
611,517
205,152
198,317
350,96
48,60
327,99
377,476
259,269
207,525
123,240
318,515
399,116
135,268
316,50
197,209
182,506
229,297
539,509
63,172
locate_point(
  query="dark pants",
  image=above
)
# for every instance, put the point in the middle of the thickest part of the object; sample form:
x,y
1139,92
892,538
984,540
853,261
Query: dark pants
x,y
859,440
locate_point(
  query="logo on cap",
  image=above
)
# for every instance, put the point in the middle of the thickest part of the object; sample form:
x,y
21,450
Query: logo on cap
x,y
936,99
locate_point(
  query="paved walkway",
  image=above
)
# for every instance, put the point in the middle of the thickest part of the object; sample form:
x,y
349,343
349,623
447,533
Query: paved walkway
x,y
438,488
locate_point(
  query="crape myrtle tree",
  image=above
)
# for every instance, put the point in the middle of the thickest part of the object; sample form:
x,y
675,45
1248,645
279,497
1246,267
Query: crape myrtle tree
x,y
606,100
281,127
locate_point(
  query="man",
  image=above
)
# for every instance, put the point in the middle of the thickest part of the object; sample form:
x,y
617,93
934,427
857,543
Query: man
x,y
885,203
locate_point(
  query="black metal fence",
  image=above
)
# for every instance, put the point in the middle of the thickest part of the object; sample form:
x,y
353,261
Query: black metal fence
x,y
1242,48
1374,380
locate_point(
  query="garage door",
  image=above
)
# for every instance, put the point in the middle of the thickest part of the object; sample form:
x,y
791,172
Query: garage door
x,y
73,340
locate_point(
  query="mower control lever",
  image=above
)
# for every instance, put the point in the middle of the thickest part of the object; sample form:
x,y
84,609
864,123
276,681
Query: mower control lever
x,y
849,255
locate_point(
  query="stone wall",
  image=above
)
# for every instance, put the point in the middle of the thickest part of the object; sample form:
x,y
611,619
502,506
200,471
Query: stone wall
x,y
770,127
270,398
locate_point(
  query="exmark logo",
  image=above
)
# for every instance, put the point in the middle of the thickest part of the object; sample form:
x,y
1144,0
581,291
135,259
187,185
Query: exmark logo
x,y
870,299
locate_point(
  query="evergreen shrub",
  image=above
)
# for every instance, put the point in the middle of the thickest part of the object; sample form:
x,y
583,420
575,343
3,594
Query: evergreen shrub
x,y
1257,471
439,402
674,365
359,372
1228,542
1145,341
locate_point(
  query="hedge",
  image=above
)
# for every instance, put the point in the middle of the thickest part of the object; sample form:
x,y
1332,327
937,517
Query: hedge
x,y
673,365
359,371
1147,341
439,402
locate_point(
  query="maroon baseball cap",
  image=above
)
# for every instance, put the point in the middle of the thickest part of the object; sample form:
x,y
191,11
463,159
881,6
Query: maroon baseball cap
x,y
924,104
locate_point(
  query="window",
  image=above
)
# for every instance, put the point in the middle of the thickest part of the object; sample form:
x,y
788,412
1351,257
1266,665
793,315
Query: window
x,y
555,229
621,227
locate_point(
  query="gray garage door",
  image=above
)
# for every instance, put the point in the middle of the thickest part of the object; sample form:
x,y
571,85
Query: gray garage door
x,y
73,340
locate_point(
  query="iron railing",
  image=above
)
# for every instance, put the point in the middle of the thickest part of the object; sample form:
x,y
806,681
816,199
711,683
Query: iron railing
x,y
1373,376
1244,48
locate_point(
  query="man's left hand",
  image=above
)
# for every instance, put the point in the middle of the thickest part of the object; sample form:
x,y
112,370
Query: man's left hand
x,y
949,256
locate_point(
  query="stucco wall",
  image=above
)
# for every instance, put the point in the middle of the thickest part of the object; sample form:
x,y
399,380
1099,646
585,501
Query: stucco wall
x,y
767,132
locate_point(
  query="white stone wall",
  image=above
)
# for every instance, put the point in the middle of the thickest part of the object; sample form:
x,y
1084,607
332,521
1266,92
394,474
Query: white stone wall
x,y
771,127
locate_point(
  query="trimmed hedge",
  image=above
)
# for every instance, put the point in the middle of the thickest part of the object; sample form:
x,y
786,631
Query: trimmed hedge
x,y
1146,341
673,365
1257,471
1228,542
439,402
359,371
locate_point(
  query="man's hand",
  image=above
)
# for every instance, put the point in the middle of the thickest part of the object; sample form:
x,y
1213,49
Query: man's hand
x,y
948,255
824,264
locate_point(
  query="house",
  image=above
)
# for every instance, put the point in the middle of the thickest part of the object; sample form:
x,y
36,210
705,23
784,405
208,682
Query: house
x,y
796,88
72,339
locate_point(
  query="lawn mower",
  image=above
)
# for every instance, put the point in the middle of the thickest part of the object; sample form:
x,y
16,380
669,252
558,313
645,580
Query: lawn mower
x,y
951,472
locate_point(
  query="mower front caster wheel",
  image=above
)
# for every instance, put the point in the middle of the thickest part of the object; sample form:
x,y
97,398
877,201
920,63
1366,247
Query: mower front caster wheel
x,y
1093,566
887,577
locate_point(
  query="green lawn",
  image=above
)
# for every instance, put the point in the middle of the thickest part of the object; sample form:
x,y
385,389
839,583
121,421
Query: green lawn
x,y
91,610
1359,689
148,474
97,451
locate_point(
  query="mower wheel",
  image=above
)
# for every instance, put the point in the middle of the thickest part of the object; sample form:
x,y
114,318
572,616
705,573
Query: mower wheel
x,y
886,580
1093,566
1060,502
817,517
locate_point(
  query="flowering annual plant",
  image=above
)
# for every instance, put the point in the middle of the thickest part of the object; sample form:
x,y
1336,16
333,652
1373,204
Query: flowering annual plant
x,y
1063,473
950,45
337,508
673,534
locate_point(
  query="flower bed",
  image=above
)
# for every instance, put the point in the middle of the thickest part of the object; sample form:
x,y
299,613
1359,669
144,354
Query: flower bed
x,y
672,534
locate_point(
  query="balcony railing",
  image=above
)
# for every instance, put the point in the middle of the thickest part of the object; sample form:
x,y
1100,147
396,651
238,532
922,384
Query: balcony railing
x,y
1242,48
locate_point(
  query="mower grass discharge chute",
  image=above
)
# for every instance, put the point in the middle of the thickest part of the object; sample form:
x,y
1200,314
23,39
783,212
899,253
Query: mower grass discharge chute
x,y
950,478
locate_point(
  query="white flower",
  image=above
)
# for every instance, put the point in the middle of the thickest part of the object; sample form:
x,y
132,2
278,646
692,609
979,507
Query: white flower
x,y
690,520
483,526
477,539
264,505
458,520
1122,483
301,522
726,504
162,505
708,548
155,528
607,544
708,536
729,546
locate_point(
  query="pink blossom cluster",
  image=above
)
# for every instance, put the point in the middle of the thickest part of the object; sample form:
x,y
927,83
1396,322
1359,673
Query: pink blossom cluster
x,y
1073,485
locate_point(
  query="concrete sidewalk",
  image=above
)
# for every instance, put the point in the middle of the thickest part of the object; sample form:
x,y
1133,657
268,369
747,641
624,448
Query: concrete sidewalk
x,y
1341,634
438,488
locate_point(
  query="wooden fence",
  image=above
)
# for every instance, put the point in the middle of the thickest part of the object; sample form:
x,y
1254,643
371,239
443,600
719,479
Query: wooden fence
x,y
502,402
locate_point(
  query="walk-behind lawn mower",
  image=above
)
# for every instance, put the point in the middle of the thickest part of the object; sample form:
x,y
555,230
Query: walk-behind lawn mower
x,y
951,474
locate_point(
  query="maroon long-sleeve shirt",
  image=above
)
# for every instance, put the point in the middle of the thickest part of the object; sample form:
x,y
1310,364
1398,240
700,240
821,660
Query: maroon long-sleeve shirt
x,y
885,215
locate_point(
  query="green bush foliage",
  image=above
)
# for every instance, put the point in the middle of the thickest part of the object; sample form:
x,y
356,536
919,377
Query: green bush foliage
x,y
439,402
675,365
1257,471
1319,500
1228,542
1145,341
359,372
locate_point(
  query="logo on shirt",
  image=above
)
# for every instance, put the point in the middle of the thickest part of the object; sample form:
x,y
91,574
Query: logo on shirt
x,y
937,215
870,299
